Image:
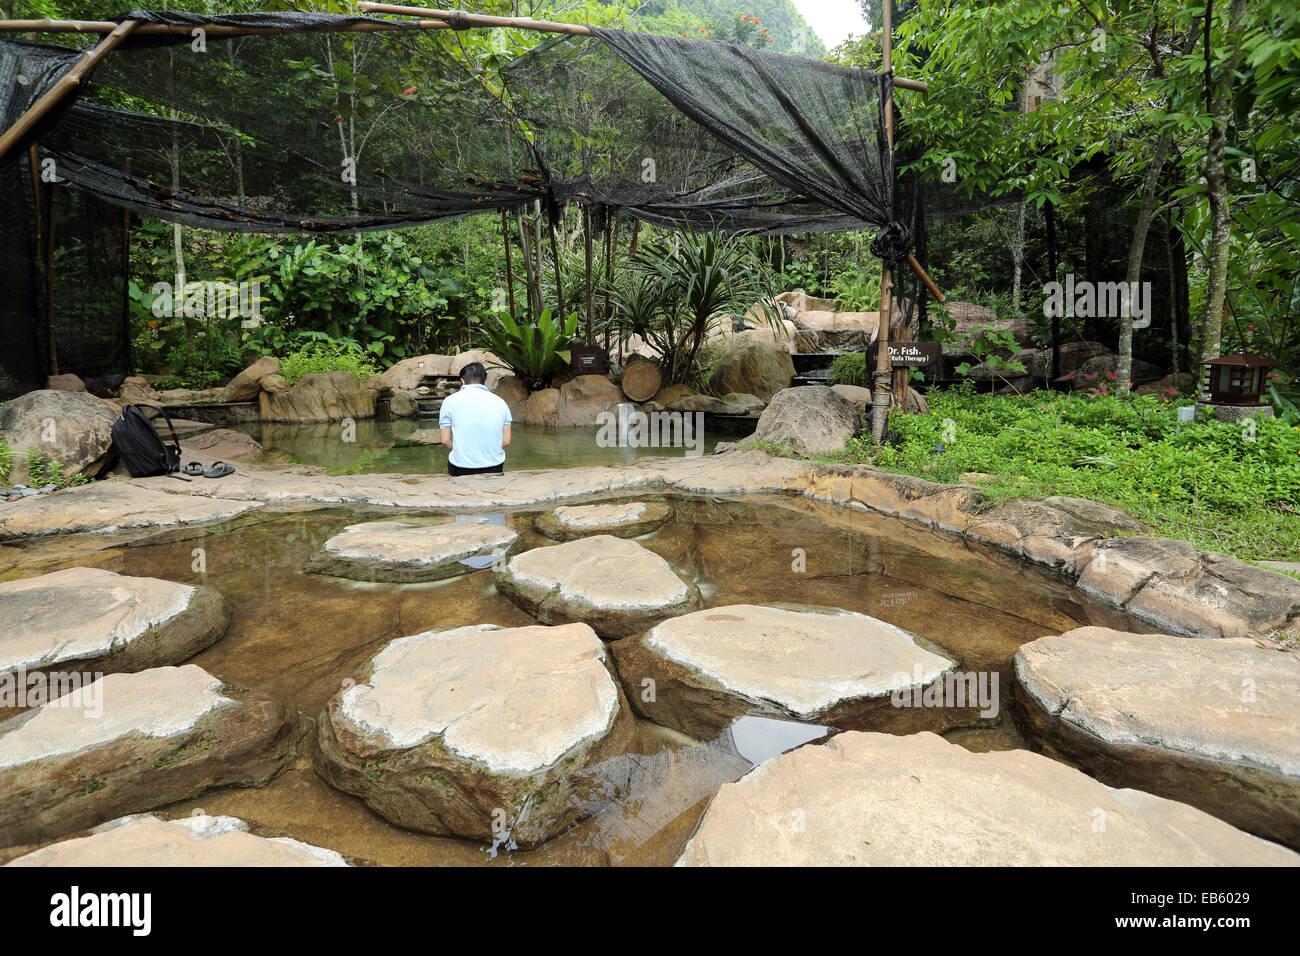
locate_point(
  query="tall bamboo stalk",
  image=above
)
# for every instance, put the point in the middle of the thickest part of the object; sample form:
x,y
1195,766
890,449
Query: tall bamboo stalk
x,y
884,373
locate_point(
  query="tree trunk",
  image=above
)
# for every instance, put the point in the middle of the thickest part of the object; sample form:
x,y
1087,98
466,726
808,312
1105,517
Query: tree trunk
x,y
1216,182
1146,212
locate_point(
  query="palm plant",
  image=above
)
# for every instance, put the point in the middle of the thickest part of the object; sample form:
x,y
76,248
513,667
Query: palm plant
x,y
532,351
680,288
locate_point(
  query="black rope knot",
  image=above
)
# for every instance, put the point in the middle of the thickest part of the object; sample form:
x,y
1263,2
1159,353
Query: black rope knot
x,y
458,20
893,243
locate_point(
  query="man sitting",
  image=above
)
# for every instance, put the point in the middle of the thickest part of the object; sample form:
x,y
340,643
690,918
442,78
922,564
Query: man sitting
x,y
475,425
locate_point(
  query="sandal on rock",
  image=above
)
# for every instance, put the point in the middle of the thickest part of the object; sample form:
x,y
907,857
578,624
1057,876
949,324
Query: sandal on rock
x,y
193,469
219,469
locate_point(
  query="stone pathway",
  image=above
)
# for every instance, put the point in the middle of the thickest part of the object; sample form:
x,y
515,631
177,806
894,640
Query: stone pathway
x,y
629,520
395,551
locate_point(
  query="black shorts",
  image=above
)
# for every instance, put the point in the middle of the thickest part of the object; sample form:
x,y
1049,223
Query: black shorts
x,y
456,471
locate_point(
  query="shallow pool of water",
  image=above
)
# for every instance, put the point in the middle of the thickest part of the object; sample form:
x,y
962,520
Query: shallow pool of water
x,y
385,447
297,636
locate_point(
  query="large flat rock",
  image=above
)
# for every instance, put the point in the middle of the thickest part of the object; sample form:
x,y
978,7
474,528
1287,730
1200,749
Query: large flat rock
x,y
132,742
396,551
147,840
616,586
627,520
479,731
867,799
1177,586
107,506
91,620
815,664
1212,723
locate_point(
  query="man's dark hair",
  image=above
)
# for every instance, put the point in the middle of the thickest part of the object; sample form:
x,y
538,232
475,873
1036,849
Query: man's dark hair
x,y
473,374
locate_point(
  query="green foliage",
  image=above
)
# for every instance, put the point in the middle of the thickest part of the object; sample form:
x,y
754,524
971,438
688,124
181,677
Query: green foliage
x,y
850,368
42,471
1225,487
535,352
326,355
6,460
987,342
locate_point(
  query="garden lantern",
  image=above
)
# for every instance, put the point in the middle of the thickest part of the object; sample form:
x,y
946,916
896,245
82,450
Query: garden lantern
x,y
1238,379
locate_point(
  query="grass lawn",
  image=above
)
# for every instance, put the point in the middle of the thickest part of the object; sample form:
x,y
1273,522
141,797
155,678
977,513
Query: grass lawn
x,y
1233,488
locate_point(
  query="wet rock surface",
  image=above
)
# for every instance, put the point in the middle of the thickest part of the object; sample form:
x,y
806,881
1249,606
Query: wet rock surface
x,y
479,731
698,672
616,586
147,840
868,799
1212,723
400,552
91,620
628,520
159,736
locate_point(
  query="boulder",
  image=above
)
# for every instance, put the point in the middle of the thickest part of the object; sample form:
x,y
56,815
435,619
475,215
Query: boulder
x,y
1100,369
94,621
616,586
801,301
672,393
398,552
403,404
481,731
65,383
869,799
1059,531
629,520
811,420
135,389
540,408
582,400
1212,723
199,840
275,384
707,404
159,736
1176,586
320,397
409,374
191,396
71,428
246,386
224,444
786,661
511,390
754,368
751,404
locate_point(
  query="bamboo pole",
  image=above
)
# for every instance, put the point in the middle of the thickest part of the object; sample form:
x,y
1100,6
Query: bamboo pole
x,y
477,20
63,87
212,30
883,379
510,278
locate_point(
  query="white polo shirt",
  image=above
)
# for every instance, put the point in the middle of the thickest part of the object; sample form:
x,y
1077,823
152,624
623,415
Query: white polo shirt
x,y
476,418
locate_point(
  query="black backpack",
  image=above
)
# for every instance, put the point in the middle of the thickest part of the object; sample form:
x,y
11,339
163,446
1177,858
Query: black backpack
x,y
138,444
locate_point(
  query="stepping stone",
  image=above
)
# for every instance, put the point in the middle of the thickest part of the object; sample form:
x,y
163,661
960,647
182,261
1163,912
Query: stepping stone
x,y
481,731
396,552
622,521
1212,723
132,742
199,840
867,799
616,586
94,621
698,672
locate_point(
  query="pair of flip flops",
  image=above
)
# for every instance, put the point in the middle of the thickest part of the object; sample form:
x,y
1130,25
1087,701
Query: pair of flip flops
x,y
219,469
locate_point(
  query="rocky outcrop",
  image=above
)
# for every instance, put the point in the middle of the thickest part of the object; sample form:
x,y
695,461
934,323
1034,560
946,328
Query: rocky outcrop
x,y
1176,586
200,840
1212,723
479,732
672,393
71,428
247,385
107,506
788,661
223,444
585,398
322,397
162,735
90,621
399,552
1059,532
616,586
753,368
810,420
409,374
511,390
867,799
65,383
629,520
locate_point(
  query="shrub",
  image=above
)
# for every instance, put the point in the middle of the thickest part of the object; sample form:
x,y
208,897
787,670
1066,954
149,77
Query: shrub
x,y
327,357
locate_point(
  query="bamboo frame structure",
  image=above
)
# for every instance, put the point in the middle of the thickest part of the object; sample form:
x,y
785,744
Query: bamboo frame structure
x,y
884,376
212,30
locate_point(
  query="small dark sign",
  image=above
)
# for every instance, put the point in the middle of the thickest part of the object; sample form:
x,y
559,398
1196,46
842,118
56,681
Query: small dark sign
x,y
587,359
914,353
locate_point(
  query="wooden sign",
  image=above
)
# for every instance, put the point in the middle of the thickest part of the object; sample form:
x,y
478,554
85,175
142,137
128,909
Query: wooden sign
x,y
587,359
914,353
